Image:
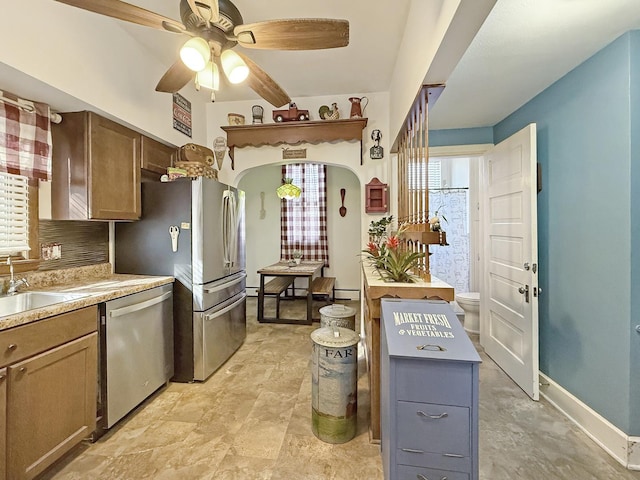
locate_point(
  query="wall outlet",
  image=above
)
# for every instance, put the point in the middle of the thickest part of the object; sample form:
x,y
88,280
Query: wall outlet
x,y
51,251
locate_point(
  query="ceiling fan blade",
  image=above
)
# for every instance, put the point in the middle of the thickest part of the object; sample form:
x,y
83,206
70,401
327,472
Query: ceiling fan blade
x,y
265,86
294,34
128,13
175,78
207,10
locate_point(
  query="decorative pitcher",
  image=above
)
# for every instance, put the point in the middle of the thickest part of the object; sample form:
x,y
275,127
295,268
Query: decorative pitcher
x,y
357,109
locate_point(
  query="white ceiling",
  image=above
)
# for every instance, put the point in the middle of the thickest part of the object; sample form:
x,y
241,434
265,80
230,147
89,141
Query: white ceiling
x,y
523,47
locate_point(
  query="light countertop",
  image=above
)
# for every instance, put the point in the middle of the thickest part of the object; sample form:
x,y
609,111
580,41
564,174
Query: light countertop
x,y
97,282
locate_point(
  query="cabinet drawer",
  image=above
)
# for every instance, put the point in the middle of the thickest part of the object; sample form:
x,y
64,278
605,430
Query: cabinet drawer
x,y
434,428
445,383
406,472
27,340
437,461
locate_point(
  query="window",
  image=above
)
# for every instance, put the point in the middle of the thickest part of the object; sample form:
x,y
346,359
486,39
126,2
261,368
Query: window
x,y
416,174
14,214
304,219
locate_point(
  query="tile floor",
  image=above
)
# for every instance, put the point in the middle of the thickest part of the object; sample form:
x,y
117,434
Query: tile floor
x,y
251,420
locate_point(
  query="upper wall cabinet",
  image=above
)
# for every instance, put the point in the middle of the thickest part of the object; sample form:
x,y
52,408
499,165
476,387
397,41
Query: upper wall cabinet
x,y
156,156
96,169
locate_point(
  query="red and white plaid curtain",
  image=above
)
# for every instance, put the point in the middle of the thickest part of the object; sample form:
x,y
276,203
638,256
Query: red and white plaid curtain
x,y
25,137
303,220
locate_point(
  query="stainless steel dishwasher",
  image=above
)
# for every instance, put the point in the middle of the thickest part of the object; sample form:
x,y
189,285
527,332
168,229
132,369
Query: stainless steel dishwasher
x,y
136,351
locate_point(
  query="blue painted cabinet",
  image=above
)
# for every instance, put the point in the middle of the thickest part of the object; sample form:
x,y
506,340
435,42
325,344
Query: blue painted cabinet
x,y
428,393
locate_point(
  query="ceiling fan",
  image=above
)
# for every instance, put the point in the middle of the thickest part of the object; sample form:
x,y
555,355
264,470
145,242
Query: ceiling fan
x,y
215,28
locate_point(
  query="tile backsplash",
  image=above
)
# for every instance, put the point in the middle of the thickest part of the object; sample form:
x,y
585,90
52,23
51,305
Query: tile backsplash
x,y
77,243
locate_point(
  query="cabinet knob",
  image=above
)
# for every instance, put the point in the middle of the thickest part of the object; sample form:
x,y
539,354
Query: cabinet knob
x,y
12,346
2,377
22,369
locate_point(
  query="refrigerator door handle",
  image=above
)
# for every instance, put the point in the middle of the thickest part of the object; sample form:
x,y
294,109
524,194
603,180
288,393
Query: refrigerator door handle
x,y
224,310
229,228
221,286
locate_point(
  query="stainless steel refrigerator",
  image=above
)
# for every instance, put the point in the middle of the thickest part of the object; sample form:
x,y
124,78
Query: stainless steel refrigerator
x,y
194,231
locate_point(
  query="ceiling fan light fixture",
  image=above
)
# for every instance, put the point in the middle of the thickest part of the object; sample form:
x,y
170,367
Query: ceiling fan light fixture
x,y
209,77
195,53
234,67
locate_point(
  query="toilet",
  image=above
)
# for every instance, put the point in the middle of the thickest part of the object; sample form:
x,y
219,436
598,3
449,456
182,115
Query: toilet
x,y
470,303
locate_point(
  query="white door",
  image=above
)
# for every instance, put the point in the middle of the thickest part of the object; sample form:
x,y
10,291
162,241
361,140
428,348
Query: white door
x,y
509,290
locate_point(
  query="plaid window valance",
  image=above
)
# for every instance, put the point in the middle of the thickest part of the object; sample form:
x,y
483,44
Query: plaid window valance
x,y
25,137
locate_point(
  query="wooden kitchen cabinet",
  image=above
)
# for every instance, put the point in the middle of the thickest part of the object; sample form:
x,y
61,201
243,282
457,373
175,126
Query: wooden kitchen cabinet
x,y
3,423
96,169
156,156
48,393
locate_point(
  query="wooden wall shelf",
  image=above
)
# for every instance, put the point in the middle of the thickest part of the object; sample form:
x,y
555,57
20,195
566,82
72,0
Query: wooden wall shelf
x,y
293,133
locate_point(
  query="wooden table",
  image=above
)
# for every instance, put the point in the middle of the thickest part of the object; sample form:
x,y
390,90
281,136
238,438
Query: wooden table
x,y
306,269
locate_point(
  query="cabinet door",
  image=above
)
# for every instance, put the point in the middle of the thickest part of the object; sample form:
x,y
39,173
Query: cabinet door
x,y
156,156
51,405
114,171
3,423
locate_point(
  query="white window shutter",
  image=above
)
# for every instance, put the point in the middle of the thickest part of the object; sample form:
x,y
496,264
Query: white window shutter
x,y
14,214
435,173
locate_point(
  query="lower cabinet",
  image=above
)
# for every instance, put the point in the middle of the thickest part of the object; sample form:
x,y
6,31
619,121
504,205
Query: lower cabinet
x,y
47,391
428,392
3,423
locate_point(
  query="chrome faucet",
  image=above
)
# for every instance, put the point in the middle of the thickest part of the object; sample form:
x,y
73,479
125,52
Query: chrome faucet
x,y
13,283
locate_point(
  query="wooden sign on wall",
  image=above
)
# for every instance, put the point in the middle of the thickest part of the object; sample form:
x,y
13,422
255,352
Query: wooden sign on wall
x,y
182,114
291,154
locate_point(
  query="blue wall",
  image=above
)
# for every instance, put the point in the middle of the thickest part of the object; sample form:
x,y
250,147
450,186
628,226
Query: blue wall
x,y
585,217
464,136
635,232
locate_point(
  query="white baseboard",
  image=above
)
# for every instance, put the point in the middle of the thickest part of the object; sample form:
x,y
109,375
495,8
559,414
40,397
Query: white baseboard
x,y
624,448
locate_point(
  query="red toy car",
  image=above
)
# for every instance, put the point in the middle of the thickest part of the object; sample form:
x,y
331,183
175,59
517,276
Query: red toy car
x,y
291,114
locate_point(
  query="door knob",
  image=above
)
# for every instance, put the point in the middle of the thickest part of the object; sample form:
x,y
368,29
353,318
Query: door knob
x,y
525,291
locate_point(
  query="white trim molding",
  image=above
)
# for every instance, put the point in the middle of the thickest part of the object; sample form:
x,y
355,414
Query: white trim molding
x,y
460,150
624,448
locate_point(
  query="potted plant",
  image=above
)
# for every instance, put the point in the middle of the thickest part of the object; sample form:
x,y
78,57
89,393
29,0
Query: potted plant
x,y
297,256
393,262
434,221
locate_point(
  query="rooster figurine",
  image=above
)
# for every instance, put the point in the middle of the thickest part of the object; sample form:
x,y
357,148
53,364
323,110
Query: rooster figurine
x,y
327,113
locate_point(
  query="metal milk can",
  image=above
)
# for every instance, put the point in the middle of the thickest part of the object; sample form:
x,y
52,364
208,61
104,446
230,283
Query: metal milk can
x,y
338,316
334,379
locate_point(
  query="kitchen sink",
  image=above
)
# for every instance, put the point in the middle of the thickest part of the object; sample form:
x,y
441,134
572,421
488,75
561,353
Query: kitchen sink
x,y
21,302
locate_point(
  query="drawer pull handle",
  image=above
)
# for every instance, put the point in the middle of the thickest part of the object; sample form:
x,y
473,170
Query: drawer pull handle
x,y
422,477
12,346
2,377
453,455
420,413
22,369
431,347
411,450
